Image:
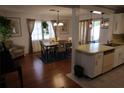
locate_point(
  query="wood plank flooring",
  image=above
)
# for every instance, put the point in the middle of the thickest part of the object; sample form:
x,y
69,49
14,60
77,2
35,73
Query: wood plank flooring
x,y
36,74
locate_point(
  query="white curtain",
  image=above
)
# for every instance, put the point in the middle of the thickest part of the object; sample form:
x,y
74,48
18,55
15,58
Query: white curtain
x,y
83,31
36,36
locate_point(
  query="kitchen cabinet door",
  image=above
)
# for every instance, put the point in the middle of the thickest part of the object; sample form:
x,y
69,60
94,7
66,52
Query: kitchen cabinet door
x,y
116,57
108,61
98,64
119,56
118,24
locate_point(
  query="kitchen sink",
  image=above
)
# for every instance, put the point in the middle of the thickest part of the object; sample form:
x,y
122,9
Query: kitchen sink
x,y
113,44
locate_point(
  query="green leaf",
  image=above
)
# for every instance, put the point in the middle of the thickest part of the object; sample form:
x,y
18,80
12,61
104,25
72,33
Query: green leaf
x,y
5,28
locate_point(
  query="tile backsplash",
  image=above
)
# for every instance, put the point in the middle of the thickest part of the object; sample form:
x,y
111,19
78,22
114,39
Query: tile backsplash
x,y
118,38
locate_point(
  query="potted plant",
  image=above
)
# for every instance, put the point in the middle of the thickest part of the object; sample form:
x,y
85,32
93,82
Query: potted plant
x,y
5,28
45,27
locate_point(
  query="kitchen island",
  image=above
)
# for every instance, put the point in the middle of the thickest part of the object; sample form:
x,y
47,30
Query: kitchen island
x,y
95,58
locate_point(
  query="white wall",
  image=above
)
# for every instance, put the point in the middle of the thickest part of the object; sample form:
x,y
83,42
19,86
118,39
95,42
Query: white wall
x,y
23,40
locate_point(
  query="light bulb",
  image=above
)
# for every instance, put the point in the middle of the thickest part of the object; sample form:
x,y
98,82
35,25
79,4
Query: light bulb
x,y
55,24
60,24
97,12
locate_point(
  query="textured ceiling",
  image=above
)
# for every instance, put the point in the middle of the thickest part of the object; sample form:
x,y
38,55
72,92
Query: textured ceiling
x,y
65,10
115,8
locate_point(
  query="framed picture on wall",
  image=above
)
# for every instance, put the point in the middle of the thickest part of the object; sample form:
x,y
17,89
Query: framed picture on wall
x,y
15,26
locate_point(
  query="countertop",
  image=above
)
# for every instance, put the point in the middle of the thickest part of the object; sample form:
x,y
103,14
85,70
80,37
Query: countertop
x,y
93,48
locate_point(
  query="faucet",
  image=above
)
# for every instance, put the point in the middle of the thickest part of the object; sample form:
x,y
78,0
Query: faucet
x,y
109,41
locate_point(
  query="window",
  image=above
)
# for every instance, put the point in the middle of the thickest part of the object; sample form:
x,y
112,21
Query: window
x,y
87,33
95,31
38,33
50,33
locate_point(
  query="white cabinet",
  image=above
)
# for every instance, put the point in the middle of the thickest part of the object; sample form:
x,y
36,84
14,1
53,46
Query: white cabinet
x,y
92,63
98,64
119,56
118,24
108,61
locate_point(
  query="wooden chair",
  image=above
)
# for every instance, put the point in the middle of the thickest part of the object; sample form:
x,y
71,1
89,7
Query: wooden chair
x,y
61,50
43,50
48,52
68,48
7,65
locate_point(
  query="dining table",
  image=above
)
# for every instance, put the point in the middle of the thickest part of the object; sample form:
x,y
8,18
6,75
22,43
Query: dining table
x,y
48,45
51,45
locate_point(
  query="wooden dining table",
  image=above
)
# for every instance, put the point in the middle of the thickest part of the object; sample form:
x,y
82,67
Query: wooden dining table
x,y
50,44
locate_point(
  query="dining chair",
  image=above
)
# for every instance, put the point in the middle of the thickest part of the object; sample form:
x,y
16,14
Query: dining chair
x,y
68,48
46,52
61,51
43,50
8,65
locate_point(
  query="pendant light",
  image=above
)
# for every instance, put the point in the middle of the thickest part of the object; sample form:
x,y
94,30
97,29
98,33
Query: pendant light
x,y
102,20
58,23
90,24
100,13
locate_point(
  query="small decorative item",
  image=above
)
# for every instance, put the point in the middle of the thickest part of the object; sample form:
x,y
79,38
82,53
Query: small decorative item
x,y
5,28
45,27
16,26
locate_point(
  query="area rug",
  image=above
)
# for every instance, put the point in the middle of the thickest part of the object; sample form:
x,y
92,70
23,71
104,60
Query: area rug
x,y
52,59
111,79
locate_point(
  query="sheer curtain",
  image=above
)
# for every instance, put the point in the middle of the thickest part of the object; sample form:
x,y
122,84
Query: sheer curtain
x,y
36,36
39,34
84,31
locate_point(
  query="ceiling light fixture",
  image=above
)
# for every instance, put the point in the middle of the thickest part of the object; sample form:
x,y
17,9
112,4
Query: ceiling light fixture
x,y
97,12
90,23
102,20
58,23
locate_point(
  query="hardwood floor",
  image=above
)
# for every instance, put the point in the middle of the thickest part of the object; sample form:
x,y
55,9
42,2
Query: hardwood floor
x,y
36,74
